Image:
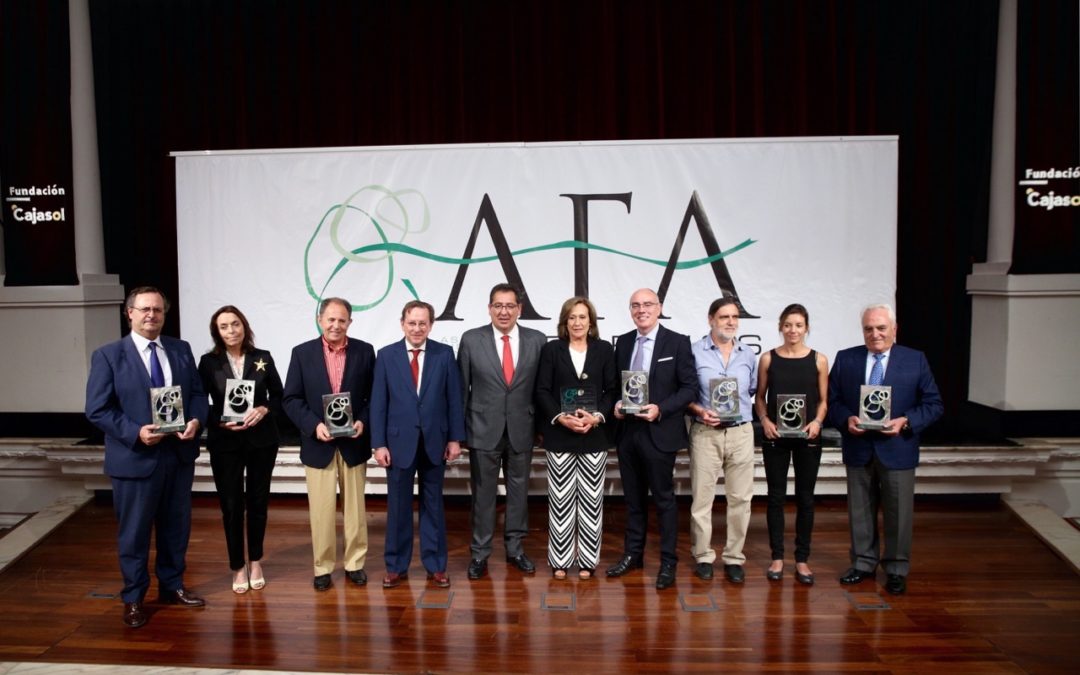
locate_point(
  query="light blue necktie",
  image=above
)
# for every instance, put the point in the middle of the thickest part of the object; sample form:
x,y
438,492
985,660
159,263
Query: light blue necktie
x,y
639,357
877,371
157,375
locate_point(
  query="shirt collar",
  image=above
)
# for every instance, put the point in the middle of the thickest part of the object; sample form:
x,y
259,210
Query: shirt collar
x,y
331,348
141,343
498,333
651,334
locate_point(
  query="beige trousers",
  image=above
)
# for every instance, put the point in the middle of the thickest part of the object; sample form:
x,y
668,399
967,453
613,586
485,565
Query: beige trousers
x,y
715,452
322,488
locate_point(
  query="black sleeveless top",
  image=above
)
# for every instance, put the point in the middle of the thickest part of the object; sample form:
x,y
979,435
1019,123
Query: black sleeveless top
x,y
793,376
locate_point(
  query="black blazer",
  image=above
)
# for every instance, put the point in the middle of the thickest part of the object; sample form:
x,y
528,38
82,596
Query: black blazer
x,y
305,385
259,366
673,385
556,371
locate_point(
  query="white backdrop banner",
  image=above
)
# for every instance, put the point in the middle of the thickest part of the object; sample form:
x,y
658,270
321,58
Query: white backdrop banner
x,y
771,221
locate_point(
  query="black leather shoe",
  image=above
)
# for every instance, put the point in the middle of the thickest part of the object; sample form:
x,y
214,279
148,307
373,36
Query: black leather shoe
x,y
734,573
854,576
704,571
895,584
666,577
181,597
625,564
134,616
805,579
477,568
358,577
522,562
775,576
323,582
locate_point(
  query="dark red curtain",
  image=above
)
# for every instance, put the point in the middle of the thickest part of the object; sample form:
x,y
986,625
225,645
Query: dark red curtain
x,y
213,74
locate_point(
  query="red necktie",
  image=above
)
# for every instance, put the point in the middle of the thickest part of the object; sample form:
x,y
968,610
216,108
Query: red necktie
x,y
415,363
508,361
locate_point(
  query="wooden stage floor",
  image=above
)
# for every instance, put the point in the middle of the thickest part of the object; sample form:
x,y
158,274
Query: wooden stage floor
x,y
985,595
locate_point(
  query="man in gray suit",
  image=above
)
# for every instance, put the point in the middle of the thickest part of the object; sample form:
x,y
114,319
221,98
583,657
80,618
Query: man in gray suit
x,y
498,370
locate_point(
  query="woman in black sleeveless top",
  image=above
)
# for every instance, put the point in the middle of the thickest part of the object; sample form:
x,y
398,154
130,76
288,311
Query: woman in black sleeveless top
x,y
792,368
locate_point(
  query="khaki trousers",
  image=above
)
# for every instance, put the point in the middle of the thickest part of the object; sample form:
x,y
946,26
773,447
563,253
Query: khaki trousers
x,y
715,452
322,488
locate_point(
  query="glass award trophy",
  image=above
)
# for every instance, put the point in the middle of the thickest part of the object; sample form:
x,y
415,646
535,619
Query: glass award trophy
x,y
167,409
337,414
875,407
239,399
579,398
724,398
791,415
635,391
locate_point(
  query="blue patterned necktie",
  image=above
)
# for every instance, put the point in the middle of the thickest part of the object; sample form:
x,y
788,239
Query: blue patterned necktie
x,y
639,357
157,375
877,371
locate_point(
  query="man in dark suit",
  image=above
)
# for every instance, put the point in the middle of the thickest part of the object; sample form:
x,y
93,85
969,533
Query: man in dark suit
x,y
151,472
417,425
647,441
333,364
498,371
881,464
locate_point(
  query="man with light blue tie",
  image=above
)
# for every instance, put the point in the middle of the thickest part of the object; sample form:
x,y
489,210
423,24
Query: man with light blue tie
x,y
648,440
881,465
151,472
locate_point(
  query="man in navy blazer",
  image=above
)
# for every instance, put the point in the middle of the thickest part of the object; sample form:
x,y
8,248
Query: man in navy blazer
x,y
151,472
417,425
881,464
647,441
331,364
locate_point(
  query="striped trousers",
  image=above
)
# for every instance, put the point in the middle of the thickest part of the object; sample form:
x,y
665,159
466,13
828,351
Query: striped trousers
x,y
575,508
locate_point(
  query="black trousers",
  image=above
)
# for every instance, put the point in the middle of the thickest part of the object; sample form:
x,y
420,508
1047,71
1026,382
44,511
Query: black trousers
x,y
644,469
229,472
778,455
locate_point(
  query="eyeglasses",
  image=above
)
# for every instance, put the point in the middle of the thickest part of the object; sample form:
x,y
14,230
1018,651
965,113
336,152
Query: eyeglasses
x,y
501,306
149,310
643,305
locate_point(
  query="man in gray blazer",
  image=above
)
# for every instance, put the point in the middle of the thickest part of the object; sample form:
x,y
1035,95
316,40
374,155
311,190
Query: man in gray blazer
x,y
498,370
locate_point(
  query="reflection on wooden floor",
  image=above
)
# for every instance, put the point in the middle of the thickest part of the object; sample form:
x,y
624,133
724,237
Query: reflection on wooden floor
x,y
985,595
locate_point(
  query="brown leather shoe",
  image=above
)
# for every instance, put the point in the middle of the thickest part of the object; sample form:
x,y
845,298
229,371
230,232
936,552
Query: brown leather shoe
x,y
440,579
181,597
134,616
393,579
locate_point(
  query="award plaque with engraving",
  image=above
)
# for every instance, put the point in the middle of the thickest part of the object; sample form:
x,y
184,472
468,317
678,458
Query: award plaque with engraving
x,y
875,407
724,398
239,399
579,398
635,391
167,409
337,414
791,415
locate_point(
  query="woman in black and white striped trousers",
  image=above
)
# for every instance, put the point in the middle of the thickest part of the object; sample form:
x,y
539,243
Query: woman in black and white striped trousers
x,y
576,388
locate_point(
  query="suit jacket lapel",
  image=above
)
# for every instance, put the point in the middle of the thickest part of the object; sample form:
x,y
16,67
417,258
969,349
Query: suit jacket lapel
x,y
895,361
403,361
136,358
496,356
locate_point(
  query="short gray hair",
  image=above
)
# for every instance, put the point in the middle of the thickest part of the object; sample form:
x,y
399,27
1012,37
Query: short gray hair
x,y
884,307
